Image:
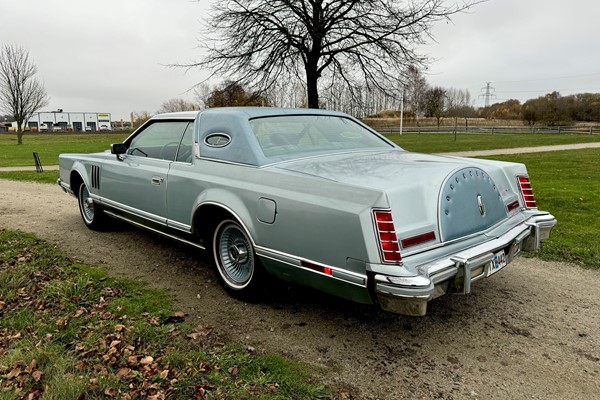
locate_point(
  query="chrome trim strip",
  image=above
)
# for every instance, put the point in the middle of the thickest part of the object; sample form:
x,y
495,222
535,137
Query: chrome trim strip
x,y
146,227
65,186
288,259
179,226
143,214
476,234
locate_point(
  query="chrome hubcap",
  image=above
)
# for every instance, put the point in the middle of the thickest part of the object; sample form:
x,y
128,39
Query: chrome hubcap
x,y
234,256
238,253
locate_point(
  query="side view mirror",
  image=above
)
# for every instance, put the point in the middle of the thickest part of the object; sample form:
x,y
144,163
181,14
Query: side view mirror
x,y
118,148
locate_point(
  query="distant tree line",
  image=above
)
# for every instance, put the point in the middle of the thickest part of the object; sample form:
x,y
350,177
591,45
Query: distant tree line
x,y
418,99
551,109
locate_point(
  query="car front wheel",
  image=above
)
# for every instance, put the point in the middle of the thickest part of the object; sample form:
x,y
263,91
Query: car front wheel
x,y
93,216
239,269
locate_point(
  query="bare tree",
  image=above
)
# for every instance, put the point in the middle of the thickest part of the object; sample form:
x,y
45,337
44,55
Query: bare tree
x,y
233,94
202,93
138,118
359,42
416,87
21,94
458,105
434,103
174,105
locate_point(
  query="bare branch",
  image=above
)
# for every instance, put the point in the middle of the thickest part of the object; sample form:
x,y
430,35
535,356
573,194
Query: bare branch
x,y
372,42
21,94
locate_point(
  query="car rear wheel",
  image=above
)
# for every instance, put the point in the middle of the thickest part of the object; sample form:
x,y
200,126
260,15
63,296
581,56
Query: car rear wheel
x,y
239,270
93,216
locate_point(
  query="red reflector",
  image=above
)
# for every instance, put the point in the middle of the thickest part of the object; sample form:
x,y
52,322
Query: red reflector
x,y
415,240
526,191
392,257
383,216
512,206
318,268
390,246
386,237
385,226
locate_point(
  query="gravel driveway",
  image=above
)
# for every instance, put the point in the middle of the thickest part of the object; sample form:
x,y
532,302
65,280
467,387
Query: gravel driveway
x,y
530,332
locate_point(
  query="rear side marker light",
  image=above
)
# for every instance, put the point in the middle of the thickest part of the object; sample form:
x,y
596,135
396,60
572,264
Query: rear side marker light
x,y
389,248
512,206
318,268
416,240
526,192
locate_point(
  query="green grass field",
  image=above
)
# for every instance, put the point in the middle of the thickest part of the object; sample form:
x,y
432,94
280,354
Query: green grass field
x,y
566,183
445,143
49,146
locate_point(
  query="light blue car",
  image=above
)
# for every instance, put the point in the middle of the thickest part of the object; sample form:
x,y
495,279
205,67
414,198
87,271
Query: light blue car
x,y
312,197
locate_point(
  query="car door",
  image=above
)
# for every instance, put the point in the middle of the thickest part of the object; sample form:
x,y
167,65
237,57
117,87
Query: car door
x,y
136,182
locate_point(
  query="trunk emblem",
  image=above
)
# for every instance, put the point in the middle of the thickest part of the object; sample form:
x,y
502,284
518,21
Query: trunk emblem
x,y
480,205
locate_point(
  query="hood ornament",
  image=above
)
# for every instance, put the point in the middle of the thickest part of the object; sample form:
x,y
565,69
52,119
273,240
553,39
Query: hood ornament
x,y
480,205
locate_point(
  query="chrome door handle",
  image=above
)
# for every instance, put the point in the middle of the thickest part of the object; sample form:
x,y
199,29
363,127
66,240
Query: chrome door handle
x,y
157,180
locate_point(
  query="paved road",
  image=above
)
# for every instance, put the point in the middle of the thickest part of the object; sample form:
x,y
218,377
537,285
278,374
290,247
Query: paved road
x,y
516,150
475,153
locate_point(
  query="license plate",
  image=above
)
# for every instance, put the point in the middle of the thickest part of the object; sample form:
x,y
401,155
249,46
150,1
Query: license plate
x,y
497,263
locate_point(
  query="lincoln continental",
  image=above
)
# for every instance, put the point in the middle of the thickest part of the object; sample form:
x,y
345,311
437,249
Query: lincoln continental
x,y
313,197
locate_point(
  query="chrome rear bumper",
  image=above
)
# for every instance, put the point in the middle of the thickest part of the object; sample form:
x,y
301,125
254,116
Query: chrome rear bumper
x,y
456,272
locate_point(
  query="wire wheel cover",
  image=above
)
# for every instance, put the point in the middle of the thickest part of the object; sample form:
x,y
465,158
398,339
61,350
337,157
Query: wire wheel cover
x,y
86,204
235,256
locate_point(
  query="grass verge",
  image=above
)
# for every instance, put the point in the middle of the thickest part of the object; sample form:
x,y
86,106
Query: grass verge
x,y
566,184
446,143
30,176
68,331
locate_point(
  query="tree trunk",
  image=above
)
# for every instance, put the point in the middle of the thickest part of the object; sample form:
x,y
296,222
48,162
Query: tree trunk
x,y
20,132
312,91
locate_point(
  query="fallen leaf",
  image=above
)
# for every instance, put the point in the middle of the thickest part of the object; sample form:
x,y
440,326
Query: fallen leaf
x,y
37,375
164,374
123,372
147,360
31,366
13,373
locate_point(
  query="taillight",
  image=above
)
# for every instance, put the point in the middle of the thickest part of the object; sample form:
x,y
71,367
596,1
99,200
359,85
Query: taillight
x,y
387,240
526,191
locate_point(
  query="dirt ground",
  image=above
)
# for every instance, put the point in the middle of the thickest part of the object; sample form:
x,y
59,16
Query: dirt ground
x,y
530,332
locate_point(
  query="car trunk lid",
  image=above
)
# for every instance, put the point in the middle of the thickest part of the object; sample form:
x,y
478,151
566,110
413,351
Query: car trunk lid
x,y
448,196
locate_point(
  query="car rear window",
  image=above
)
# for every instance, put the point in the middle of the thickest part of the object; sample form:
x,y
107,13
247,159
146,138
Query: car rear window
x,y
296,135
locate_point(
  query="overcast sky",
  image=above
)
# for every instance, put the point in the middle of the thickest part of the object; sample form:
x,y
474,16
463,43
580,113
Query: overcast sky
x,y
111,55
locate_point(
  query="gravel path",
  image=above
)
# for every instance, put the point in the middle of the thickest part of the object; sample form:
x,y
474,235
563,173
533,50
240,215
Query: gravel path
x,y
530,332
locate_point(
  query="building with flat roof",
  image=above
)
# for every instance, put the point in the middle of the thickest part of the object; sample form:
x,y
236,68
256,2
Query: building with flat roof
x,y
68,121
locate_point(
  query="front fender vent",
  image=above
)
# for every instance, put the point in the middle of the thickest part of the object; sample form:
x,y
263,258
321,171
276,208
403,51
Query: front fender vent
x,y
95,177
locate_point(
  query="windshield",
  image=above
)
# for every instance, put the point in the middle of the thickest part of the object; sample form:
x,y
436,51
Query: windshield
x,y
293,135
